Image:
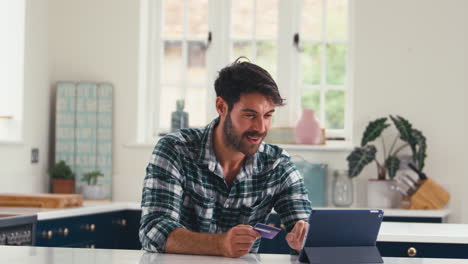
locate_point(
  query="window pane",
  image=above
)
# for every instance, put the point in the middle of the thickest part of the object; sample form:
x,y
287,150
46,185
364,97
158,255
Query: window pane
x,y
173,18
242,49
167,105
196,62
172,63
266,56
198,17
334,104
337,19
311,63
195,105
311,27
242,18
336,64
266,18
311,100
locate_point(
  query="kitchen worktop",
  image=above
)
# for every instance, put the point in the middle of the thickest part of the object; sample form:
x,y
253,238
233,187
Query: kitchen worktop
x,y
390,231
92,207
50,255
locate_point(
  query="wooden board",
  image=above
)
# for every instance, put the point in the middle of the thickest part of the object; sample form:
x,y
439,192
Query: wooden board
x,y
41,200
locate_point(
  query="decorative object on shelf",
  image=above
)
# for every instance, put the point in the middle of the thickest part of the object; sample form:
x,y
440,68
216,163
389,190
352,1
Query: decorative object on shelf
x,y
381,192
63,179
315,180
179,118
308,129
83,129
342,189
92,190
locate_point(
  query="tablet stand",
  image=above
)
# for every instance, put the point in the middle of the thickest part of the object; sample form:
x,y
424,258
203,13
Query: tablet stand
x,y
339,255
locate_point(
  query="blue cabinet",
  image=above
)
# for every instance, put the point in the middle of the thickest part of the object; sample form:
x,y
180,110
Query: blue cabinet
x,y
114,230
422,250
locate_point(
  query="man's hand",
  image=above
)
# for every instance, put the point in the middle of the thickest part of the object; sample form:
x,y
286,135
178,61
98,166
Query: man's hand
x,y
296,237
238,240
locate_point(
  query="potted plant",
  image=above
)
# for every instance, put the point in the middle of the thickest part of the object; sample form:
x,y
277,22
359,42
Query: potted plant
x,y
380,193
92,190
63,178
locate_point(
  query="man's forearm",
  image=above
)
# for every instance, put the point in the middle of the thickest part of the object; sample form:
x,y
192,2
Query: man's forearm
x,y
184,241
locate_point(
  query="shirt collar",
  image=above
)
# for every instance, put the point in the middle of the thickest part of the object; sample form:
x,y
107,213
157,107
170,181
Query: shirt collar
x,y
208,156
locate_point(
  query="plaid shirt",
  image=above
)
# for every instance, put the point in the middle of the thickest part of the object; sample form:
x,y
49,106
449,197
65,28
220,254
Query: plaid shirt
x,y
184,187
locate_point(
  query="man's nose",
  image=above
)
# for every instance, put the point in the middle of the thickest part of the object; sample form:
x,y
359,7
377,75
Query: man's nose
x,y
260,125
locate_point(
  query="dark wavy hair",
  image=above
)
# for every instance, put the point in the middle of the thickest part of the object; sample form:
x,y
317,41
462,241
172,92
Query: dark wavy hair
x,y
244,77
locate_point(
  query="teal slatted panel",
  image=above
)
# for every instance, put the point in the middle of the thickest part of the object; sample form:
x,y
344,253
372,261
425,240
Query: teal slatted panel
x,y
104,136
65,123
86,130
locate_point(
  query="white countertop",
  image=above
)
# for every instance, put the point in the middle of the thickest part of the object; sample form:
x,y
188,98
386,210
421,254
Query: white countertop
x,y
390,231
93,207
49,255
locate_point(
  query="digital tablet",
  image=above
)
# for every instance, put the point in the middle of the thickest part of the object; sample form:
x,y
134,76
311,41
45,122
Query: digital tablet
x,y
342,228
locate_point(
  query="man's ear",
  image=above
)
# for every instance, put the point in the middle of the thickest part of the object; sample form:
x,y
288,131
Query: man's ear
x,y
221,106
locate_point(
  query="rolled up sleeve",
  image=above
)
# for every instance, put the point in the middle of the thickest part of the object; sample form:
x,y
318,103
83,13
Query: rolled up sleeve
x,y
293,203
161,198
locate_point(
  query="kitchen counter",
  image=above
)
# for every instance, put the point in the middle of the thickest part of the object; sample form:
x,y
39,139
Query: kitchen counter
x,y
42,255
92,207
389,232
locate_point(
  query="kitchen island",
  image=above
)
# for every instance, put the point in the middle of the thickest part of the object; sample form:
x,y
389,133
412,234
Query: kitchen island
x,y
50,255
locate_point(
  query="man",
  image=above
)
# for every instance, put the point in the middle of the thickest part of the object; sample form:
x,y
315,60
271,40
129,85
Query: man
x,y
205,188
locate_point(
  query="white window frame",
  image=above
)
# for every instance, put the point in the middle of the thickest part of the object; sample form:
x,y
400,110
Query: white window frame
x,y
219,55
11,118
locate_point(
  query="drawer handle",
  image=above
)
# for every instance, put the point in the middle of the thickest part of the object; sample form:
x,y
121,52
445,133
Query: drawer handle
x,y
64,232
47,234
90,227
122,222
412,252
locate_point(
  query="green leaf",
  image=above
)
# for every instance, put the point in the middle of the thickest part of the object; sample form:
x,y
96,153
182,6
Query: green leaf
x,y
61,171
419,142
359,158
392,164
404,127
91,177
373,130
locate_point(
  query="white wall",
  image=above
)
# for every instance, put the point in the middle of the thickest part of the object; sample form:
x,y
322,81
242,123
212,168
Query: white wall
x,y
410,59
98,41
17,174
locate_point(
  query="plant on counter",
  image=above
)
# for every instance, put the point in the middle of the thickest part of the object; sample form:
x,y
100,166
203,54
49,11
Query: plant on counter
x,y
366,153
63,178
91,177
92,190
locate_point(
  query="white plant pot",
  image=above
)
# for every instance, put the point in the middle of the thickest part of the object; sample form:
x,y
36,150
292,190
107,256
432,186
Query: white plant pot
x,y
380,194
93,192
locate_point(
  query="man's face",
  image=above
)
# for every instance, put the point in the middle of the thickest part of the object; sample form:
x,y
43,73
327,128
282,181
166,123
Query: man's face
x,y
248,123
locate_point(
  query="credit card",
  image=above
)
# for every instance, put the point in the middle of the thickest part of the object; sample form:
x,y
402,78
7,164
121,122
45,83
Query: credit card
x,y
266,231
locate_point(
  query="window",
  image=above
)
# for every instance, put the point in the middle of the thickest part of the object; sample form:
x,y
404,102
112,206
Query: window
x,y
11,68
324,85
185,43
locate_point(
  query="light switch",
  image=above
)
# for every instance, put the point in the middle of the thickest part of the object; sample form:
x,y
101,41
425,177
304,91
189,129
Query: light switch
x,y
34,155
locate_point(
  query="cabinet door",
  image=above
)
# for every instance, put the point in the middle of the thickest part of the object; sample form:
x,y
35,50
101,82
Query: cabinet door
x,y
65,231
422,250
278,244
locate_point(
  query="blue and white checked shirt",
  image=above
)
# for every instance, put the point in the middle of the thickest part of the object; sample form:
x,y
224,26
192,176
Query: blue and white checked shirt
x,y
184,187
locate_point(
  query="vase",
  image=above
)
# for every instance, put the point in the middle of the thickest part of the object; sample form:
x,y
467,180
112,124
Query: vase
x,y
179,118
63,186
342,189
381,194
308,129
93,192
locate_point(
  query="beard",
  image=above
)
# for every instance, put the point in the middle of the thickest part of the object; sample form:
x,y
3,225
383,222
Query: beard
x,y
234,139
